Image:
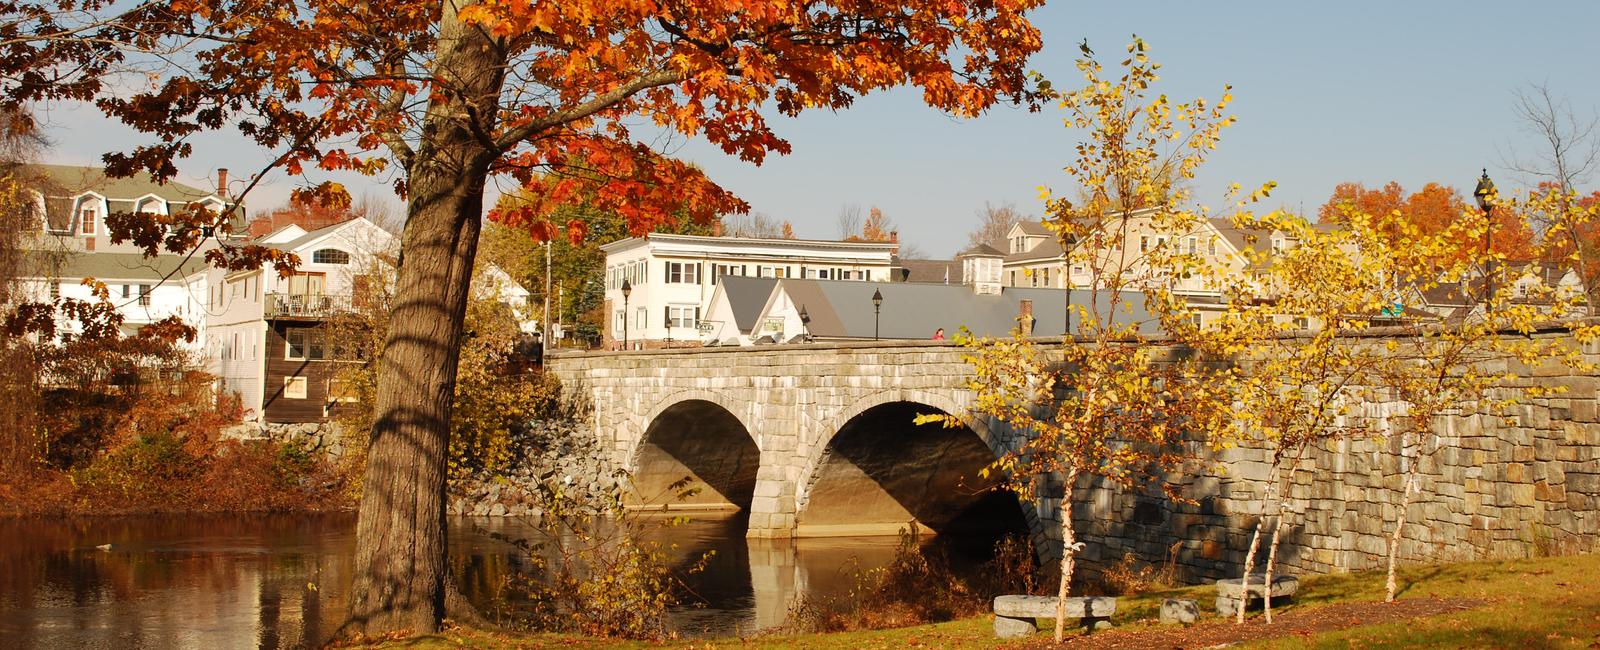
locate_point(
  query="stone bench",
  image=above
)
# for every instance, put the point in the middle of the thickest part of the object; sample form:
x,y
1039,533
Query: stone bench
x,y
1014,615
1229,599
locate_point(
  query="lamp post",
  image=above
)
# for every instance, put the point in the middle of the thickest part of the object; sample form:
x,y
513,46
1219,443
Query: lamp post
x,y
877,307
805,325
627,290
1484,192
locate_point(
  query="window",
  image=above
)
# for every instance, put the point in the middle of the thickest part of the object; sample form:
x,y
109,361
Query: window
x,y
87,220
55,290
823,274
1213,246
294,387
1194,245
305,344
330,256
682,315
683,273
144,295
1144,243
719,270
127,291
1047,277
340,390
1013,278
307,284
1302,323
772,271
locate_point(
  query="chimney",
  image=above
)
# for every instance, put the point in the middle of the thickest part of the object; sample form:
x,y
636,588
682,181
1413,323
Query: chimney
x,y
1025,318
894,236
222,182
716,228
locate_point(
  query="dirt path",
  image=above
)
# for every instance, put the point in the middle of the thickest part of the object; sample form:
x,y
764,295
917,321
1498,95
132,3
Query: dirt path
x,y
1301,622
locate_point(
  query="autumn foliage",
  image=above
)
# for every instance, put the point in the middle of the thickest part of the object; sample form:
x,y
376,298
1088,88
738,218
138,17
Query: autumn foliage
x,y
1432,210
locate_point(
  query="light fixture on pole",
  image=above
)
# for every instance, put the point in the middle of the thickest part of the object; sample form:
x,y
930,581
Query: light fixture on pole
x,y
1484,193
627,290
805,324
877,308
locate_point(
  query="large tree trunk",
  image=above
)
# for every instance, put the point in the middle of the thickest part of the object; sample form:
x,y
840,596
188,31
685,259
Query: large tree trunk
x,y
401,578
1068,547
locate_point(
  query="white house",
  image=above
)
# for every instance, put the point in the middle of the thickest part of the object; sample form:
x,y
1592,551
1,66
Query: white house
x,y
671,278
71,244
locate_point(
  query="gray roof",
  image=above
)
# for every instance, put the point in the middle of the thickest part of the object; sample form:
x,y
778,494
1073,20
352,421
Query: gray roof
x,y
934,271
982,250
60,183
1048,249
843,309
303,239
746,296
1033,227
123,266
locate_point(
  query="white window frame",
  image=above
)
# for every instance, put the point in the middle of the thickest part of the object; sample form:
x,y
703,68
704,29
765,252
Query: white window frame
x,y
294,387
88,220
681,315
683,272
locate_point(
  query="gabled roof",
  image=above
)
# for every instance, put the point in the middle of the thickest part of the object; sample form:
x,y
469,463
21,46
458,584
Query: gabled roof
x,y
61,183
311,237
981,250
934,271
1048,249
1033,228
844,309
108,267
746,296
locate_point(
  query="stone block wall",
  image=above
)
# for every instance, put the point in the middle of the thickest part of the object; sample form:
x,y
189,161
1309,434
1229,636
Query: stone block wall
x,y
1518,484
1523,484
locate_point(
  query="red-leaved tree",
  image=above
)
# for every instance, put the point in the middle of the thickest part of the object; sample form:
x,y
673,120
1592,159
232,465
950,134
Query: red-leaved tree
x,y
443,96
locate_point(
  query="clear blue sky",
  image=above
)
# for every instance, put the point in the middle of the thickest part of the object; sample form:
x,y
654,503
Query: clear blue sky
x,y
1325,92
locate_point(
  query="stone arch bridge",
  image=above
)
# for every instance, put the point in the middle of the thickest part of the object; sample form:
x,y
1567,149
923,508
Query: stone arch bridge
x,y
810,440
818,440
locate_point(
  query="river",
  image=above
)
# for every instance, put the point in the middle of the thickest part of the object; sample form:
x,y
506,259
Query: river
x,y
281,581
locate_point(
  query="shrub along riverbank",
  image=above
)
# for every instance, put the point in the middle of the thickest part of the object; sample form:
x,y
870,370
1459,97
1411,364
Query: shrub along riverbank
x,y
1540,602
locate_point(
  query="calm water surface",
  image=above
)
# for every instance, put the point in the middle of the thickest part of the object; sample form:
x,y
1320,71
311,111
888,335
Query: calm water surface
x,y
218,582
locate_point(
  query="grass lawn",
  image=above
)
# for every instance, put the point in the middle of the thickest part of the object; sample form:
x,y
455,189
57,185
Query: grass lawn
x,y
1534,603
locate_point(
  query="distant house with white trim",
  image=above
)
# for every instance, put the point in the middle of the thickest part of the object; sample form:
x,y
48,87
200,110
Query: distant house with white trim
x,y
671,278
71,243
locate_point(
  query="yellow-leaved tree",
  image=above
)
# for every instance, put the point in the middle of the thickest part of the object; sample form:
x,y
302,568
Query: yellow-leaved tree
x,y
1476,363
1294,326
1109,404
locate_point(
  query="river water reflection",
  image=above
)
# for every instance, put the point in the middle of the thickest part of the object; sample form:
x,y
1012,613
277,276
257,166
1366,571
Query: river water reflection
x,y
217,582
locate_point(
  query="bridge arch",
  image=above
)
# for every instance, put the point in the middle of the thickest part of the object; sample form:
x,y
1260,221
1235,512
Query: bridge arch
x,y
693,437
871,470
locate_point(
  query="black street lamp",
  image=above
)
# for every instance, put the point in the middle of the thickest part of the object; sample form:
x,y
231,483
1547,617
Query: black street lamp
x,y
627,290
1484,193
877,307
805,324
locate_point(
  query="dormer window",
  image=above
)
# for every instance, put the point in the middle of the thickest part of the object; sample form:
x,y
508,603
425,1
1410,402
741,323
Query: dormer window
x,y
330,256
88,221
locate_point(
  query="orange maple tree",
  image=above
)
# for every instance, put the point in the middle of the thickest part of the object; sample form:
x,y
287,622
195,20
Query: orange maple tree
x,y
1432,209
441,97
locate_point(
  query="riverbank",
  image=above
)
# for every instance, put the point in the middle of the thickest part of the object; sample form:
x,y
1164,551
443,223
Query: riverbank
x,y
1541,602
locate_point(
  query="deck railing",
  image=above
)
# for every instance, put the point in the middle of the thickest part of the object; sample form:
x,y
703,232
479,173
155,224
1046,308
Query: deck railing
x,y
306,305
